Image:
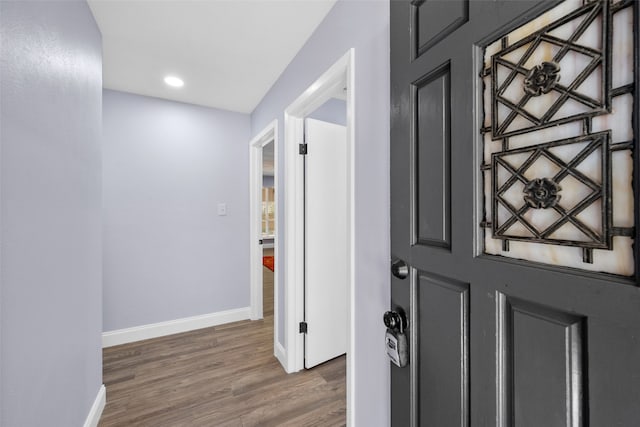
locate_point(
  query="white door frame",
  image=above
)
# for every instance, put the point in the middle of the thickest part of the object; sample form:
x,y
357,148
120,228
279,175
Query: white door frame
x,y
340,75
269,134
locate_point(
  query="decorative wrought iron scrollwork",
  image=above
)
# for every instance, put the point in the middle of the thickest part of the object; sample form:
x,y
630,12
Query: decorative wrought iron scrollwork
x,y
557,187
542,78
542,193
509,66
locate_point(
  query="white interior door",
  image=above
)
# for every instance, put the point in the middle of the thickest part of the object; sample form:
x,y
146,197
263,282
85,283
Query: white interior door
x,y
326,256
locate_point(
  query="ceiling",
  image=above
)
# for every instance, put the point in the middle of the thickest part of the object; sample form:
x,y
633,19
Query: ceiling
x,y
228,52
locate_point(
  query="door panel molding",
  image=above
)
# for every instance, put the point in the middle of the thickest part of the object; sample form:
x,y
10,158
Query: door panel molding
x,y
452,15
526,335
441,341
431,163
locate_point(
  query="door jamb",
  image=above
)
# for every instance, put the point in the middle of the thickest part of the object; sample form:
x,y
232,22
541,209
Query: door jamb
x,y
267,135
339,75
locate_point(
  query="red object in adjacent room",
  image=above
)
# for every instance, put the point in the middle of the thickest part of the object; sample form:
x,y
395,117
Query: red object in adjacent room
x,y
267,261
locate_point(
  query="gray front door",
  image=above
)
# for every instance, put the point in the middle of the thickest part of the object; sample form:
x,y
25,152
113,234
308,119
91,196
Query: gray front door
x,y
513,165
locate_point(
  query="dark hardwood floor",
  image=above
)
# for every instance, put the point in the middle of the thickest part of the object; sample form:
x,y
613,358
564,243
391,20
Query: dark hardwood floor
x,y
221,376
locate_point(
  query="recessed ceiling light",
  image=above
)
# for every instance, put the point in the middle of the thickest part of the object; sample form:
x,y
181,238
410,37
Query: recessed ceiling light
x,y
174,81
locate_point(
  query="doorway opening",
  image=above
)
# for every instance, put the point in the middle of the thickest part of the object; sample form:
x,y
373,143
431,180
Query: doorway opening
x,y
335,83
267,229
263,156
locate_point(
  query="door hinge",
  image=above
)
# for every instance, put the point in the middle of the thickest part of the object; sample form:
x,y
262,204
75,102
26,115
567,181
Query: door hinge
x,y
260,241
302,149
303,327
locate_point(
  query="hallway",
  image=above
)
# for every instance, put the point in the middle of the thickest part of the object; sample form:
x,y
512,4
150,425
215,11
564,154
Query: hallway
x,y
220,376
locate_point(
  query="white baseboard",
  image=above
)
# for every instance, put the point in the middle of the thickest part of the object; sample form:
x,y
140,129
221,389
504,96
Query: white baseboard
x,y
281,355
154,330
96,409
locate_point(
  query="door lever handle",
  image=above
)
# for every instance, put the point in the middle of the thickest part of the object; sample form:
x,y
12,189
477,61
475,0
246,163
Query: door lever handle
x,y
399,269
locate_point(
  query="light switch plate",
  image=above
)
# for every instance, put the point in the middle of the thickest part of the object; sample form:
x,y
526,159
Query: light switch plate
x,y
222,209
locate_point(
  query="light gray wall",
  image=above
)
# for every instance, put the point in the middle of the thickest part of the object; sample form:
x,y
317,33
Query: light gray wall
x,y
332,111
167,254
50,263
363,25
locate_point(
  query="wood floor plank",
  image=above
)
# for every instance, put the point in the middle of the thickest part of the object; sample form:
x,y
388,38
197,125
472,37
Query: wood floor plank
x,y
223,376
